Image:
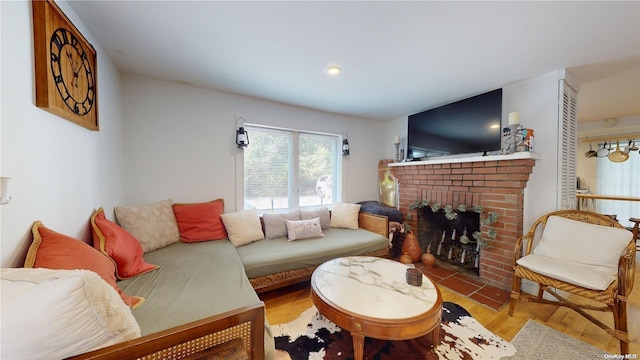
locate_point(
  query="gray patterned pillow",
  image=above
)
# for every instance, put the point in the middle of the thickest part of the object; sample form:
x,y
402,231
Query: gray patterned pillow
x,y
153,225
274,224
304,229
322,213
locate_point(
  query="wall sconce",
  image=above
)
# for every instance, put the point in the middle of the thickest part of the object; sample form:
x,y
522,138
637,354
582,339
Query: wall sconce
x,y
242,136
5,194
345,143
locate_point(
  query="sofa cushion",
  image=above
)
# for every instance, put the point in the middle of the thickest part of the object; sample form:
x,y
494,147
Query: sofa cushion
x,y
153,225
304,229
275,226
69,312
117,244
243,226
345,215
263,258
582,243
53,250
322,213
590,277
201,221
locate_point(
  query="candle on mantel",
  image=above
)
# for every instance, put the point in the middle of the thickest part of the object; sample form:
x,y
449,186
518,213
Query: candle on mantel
x,y
514,118
396,140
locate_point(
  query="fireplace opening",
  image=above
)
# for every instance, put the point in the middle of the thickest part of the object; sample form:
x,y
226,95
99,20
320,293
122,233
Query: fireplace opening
x,y
450,240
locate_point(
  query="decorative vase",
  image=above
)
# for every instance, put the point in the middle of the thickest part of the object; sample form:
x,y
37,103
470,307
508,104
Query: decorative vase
x,y
411,247
406,259
428,259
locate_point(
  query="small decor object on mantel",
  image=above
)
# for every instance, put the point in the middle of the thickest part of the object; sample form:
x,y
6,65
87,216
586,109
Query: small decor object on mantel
x,y
65,67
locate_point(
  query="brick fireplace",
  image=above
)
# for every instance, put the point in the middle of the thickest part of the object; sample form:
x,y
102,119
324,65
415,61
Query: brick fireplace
x,y
497,185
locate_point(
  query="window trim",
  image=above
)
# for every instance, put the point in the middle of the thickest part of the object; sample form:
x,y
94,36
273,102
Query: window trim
x,y
337,170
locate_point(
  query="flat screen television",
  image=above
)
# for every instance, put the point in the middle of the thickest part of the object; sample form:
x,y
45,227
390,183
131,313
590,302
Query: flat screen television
x,y
468,126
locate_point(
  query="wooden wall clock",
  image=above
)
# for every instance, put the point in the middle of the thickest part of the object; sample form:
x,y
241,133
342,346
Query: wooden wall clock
x,y
65,67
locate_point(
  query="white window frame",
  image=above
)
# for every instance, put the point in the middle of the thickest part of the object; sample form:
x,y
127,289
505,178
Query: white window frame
x,y
294,192
618,179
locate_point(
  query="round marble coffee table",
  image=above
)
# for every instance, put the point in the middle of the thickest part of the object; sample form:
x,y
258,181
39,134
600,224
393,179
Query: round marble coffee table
x,y
369,297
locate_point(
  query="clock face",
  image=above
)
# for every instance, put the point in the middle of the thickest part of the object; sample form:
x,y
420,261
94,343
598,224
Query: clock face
x,y
72,72
66,67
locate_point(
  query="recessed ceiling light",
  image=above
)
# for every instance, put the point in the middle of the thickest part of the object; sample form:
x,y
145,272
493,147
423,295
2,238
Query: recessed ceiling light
x,y
333,69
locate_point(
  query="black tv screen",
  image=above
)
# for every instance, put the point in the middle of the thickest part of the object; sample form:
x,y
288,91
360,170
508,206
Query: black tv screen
x,y
467,126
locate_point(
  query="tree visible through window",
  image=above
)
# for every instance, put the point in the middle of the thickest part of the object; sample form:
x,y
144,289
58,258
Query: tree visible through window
x,y
286,169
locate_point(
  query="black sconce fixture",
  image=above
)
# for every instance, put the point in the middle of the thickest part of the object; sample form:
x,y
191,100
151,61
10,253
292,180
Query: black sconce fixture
x,y
345,144
242,136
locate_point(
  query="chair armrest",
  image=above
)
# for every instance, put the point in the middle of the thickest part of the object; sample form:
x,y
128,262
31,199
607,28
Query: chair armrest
x,y
627,270
517,251
378,224
185,340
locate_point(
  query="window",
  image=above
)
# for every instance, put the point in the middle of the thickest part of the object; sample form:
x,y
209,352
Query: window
x,y
619,179
286,169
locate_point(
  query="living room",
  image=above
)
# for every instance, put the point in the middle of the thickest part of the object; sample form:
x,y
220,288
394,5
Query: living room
x,y
164,138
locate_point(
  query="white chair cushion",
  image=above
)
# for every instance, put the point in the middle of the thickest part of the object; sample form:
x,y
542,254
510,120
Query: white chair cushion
x,y
590,277
581,243
55,314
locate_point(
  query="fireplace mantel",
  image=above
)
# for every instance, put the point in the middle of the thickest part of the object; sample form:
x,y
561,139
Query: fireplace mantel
x,y
456,160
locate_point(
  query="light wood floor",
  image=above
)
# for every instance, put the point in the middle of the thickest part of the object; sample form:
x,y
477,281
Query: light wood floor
x,y
286,304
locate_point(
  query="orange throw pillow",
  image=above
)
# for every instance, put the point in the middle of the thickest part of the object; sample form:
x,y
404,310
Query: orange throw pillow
x,y
200,222
53,250
120,246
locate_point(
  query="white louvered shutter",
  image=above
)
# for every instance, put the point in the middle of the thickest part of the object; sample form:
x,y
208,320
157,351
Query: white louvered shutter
x,y
567,146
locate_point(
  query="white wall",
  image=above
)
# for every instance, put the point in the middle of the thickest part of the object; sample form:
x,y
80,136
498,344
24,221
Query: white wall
x,y
536,100
180,141
61,172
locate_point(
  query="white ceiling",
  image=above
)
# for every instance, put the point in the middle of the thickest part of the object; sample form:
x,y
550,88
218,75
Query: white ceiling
x,y
398,58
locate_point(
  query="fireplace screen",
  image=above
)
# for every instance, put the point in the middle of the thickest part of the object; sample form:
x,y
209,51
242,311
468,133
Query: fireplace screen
x,y
450,240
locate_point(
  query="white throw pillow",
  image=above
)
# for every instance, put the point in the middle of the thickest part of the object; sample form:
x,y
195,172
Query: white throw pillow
x,y
345,215
55,314
578,242
304,229
243,227
153,225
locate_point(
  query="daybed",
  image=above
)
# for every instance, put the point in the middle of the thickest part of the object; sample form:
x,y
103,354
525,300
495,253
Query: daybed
x,y
201,297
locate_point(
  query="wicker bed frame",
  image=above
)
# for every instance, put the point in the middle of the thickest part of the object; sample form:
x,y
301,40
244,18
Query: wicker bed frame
x,y
199,339
191,340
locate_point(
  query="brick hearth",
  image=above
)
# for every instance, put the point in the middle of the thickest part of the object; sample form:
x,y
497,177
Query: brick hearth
x,y
496,185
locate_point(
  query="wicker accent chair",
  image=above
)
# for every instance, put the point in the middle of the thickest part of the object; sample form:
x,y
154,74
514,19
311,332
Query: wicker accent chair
x,y
576,277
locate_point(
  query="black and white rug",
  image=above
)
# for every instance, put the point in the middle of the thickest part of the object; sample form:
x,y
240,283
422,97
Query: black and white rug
x,y
311,336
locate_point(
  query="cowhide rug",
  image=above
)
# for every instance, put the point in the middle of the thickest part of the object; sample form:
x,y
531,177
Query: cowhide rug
x,y
312,336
